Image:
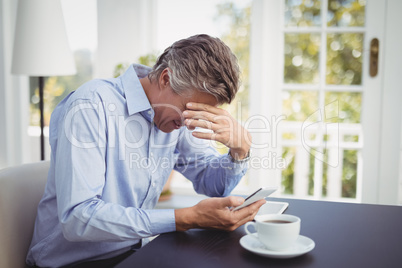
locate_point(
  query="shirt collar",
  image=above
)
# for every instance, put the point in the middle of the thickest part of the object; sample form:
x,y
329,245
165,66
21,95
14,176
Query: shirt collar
x,y
137,101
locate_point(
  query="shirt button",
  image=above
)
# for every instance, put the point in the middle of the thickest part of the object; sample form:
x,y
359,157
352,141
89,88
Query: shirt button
x,y
149,112
153,184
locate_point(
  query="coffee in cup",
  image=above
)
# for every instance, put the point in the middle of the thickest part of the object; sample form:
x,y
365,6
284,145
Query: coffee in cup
x,y
276,231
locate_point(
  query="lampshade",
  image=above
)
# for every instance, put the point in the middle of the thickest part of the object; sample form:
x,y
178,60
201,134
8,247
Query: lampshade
x,y
40,45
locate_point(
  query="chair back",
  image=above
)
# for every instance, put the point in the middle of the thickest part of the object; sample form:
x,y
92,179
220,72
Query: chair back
x,y
21,189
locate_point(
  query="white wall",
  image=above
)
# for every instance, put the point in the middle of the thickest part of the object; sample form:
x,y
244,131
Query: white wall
x,y
126,30
13,95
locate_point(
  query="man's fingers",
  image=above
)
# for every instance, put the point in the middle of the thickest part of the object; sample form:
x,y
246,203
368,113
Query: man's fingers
x,y
248,213
203,135
256,205
251,210
214,212
232,201
200,123
199,115
202,107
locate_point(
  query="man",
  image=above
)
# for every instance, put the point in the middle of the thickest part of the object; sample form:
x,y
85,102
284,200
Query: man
x,y
114,143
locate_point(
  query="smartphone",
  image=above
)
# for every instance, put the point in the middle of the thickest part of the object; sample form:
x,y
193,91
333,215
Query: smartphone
x,y
257,195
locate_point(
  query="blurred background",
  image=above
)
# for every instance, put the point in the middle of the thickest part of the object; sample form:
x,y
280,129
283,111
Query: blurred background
x,y
323,127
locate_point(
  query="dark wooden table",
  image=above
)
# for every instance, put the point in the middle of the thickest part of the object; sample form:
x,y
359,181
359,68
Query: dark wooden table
x,y
346,235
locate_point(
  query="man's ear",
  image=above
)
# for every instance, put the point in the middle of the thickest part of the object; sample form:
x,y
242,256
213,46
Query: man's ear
x,y
164,78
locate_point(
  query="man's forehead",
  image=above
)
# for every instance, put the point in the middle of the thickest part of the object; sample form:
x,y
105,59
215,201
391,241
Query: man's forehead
x,y
203,97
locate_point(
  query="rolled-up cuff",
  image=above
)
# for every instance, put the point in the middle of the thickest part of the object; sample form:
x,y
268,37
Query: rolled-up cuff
x,y
162,221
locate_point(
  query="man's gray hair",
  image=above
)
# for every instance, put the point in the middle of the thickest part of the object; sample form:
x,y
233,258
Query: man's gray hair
x,y
202,63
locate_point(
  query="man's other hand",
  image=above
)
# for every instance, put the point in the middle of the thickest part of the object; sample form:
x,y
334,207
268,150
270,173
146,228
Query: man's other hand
x,y
215,213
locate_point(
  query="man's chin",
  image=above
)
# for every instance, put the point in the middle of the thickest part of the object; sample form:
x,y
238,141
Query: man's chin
x,y
166,129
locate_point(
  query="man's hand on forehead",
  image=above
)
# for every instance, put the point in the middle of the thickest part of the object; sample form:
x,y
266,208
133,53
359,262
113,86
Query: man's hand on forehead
x,y
225,129
202,115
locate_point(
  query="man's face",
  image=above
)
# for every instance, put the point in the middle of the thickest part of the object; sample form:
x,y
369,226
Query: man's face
x,y
169,109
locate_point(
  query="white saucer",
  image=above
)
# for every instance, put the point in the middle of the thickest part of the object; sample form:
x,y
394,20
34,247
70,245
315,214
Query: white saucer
x,y
302,245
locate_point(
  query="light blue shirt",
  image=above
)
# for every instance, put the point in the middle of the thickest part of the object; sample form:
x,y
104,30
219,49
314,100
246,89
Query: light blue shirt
x,y
109,163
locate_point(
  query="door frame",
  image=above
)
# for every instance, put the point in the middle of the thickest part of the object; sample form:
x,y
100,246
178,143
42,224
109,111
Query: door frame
x,y
389,177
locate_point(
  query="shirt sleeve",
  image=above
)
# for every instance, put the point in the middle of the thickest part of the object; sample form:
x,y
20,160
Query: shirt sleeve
x,y
80,179
211,173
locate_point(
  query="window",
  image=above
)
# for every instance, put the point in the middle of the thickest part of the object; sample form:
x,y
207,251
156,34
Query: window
x,y
310,63
322,96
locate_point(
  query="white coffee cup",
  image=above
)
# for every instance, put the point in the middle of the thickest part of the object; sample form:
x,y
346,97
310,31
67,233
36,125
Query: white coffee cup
x,y
276,231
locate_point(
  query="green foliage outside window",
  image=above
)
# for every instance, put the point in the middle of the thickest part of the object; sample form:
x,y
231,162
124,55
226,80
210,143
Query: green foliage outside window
x,y
238,39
